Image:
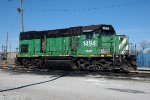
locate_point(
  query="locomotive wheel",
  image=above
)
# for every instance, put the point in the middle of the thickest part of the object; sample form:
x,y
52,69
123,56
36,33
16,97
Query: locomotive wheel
x,y
80,64
74,66
83,64
97,65
110,68
17,63
32,63
26,63
40,63
86,65
36,61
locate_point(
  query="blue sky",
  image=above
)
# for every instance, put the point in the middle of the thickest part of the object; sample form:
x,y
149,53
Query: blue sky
x,y
129,17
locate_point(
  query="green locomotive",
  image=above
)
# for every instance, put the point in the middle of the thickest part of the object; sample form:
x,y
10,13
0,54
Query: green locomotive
x,y
94,47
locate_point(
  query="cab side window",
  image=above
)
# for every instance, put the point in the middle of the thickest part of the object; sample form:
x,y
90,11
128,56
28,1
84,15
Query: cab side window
x,y
89,36
24,48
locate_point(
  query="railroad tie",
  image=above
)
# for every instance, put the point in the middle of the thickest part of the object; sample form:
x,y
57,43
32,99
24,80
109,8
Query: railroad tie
x,y
4,66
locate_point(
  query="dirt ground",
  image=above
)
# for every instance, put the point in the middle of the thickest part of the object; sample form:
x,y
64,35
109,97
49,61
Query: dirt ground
x,y
70,85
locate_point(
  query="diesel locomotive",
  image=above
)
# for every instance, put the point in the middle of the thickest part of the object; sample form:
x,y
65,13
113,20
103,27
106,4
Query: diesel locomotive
x,y
93,47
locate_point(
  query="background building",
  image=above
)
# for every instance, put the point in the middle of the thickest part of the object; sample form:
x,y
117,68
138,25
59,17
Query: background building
x,y
143,59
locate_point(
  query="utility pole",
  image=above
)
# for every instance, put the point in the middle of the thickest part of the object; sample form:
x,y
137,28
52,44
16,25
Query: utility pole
x,y
10,50
6,47
135,52
20,10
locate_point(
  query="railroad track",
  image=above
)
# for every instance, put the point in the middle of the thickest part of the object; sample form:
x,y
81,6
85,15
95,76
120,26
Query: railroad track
x,y
139,73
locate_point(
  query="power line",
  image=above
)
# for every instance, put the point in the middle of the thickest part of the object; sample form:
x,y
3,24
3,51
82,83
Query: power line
x,y
87,9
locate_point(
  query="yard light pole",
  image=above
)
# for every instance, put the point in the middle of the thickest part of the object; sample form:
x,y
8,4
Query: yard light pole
x,y
20,10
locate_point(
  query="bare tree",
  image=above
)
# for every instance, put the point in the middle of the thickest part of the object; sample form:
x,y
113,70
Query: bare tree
x,y
143,45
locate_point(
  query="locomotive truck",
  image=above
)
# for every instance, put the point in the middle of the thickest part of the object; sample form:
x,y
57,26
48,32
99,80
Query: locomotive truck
x,y
93,47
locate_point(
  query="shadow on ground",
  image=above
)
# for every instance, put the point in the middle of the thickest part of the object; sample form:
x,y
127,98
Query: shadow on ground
x,y
76,73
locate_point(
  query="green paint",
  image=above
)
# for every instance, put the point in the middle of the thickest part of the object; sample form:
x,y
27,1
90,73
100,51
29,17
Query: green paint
x,y
75,46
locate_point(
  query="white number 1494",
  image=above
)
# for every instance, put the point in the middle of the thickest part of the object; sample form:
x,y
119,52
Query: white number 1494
x,y
89,43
